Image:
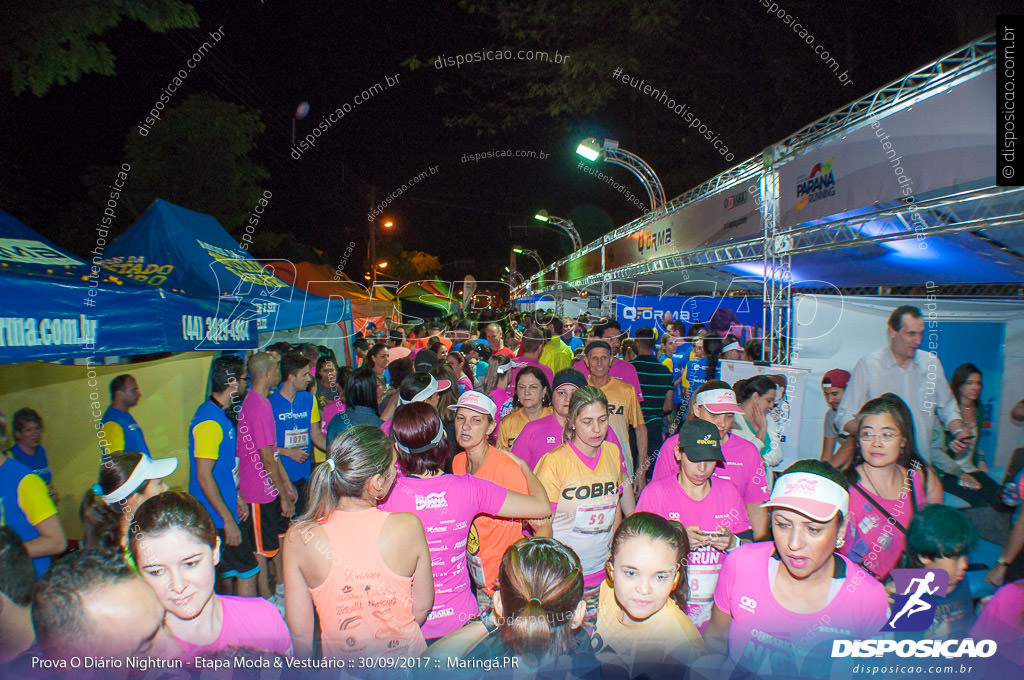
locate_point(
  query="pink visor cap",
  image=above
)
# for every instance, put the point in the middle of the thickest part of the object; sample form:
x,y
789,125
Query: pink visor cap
x,y
476,401
432,388
809,494
719,401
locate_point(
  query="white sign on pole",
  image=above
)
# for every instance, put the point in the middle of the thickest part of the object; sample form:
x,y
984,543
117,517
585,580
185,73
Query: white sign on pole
x,y
788,411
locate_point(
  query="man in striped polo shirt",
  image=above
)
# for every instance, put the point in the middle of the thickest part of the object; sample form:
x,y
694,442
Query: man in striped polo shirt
x,y
656,385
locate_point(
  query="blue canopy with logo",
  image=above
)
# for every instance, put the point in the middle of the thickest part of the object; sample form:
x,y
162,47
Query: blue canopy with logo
x,y
57,306
188,252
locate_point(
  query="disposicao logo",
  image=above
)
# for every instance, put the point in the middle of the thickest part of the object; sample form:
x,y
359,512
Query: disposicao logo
x,y
821,183
913,609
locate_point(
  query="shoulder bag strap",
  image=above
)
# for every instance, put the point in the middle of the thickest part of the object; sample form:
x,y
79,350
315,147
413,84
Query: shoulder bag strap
x,y
878,506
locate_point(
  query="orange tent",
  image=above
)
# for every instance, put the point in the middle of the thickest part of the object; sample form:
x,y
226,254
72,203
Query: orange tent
x,y
321,280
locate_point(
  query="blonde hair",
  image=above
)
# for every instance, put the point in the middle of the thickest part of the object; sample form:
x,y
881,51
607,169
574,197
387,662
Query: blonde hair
x,y
357,455
582,398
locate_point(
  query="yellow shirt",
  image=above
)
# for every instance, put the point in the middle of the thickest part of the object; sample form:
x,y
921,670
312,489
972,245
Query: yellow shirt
x,y
668,635
512,424
586,500
556,355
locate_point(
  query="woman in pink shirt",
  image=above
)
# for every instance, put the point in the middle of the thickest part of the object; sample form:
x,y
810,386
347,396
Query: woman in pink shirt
x,y
366,572
715,402
447,504
888,482
1002,619
462,370
710,510
778,604
496,382
175,545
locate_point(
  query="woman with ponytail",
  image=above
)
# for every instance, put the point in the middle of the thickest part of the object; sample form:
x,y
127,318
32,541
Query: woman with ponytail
x,y
537,616
447,504
126,481
365,571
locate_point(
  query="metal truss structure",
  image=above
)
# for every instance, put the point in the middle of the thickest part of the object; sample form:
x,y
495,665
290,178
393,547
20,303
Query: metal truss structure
x,y
973,212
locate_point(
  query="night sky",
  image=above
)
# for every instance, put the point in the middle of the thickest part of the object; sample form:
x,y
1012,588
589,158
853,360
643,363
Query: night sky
x,y
747,73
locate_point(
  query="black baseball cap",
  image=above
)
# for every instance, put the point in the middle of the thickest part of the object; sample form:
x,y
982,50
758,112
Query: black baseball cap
x,y
425,361
699,441
569,376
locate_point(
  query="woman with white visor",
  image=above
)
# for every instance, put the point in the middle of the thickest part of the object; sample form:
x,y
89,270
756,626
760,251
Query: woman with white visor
x,y
779,604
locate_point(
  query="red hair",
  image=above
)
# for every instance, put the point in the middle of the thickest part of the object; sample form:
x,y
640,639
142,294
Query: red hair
x,y
415,426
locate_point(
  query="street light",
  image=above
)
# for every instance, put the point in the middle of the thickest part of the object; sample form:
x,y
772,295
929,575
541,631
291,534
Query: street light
x,y
563,224
373,245
529,253
609,151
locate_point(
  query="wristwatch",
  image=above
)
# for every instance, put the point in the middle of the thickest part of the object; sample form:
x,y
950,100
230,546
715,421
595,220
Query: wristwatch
x,y
1002,562
490,623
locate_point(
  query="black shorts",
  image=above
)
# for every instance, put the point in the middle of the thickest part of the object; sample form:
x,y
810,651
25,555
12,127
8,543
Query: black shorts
x,y
267,524
238,561
302,491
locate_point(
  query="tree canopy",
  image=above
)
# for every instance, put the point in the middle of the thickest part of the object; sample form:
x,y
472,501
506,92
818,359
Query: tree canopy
x,y
53,42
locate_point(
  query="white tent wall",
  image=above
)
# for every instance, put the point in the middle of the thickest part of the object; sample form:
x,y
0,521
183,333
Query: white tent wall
x,y
835,331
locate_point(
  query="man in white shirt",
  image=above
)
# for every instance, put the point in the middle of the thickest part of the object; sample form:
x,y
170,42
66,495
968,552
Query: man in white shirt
x,y
915,375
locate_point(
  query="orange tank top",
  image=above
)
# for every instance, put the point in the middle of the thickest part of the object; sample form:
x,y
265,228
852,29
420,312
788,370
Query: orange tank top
x,y
365,608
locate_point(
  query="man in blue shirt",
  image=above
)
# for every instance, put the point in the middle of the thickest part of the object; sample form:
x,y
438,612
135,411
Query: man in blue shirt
x,y
297,419
26,507
120,432
212,455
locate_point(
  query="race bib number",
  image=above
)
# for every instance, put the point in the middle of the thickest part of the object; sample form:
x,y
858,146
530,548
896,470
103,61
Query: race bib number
x,y
595,519
702,585
296,439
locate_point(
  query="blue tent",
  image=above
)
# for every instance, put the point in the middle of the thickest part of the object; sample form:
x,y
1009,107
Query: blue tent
x,y
55,306
188,252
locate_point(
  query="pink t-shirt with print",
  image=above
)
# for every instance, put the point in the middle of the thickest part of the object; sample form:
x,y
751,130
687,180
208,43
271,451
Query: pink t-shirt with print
x,y
255,431
722,507
870,539
250,622
764,635
446,505
743,467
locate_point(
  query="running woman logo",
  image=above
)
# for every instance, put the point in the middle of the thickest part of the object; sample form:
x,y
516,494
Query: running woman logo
x,y
800,486
821,183
914,609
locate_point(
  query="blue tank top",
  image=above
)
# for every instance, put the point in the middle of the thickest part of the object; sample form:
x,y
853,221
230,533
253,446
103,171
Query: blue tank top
x,y
223,468
11,475
133,439
292,420
37,462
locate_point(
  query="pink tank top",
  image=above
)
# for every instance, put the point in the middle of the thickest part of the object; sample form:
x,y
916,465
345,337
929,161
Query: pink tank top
x,y
365,608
